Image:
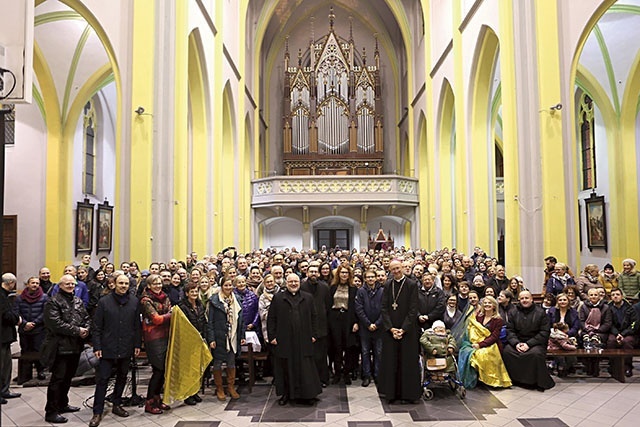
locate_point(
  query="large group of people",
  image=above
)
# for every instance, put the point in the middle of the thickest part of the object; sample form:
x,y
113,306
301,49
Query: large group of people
x,y
327,316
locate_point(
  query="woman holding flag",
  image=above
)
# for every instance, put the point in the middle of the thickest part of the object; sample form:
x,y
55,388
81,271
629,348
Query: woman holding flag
x,y
156,321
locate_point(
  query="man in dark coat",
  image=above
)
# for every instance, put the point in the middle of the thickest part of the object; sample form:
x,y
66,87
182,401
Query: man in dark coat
x,y
116,337
431,303
292,328
624,326
9,319
45,279
322,302
67,323
369,312
525,353
400,375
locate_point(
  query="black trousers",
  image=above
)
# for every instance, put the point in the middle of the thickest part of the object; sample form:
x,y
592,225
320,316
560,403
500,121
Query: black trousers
x,y
320,350
156,382
62,371
102,380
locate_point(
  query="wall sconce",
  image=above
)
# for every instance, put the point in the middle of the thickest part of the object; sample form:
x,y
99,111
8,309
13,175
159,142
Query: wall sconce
x,y
552,110
140,111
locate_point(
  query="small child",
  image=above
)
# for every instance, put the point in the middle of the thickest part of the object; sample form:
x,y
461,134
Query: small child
x,y
437,343
559,340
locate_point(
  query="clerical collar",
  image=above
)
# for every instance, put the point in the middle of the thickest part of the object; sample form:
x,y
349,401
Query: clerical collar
x,y
400,279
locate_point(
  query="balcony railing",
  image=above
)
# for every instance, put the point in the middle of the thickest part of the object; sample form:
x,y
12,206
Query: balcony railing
x,y
323,190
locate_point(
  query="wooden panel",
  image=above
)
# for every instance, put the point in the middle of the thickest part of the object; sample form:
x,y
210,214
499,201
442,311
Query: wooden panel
x,y
9,244
301,171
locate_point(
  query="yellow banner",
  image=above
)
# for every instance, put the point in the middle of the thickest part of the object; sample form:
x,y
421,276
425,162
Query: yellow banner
x,y
187,358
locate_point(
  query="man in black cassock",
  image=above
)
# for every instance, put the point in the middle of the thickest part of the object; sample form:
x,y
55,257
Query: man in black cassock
x,y
292,328
399,367
524,355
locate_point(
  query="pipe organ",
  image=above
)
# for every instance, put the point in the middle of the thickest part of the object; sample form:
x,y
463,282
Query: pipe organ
x,y
332,121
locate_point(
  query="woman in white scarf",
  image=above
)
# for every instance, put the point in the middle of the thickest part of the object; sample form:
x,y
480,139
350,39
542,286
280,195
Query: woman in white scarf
x,y
226,334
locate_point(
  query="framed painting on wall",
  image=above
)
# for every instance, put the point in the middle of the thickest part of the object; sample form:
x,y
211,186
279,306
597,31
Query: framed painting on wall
x,y
104,229
84,227
596,222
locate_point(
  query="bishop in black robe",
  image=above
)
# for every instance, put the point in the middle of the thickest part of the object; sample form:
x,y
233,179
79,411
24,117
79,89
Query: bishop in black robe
x,y
399,367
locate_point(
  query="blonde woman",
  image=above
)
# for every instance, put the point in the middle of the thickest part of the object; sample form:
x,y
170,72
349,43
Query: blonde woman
x,y
226,334
479,357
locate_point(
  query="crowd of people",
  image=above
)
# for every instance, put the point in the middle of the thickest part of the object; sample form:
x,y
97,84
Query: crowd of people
x,y
324,317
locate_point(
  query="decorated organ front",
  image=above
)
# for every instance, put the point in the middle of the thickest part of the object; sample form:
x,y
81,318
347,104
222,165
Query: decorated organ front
x,y
332,109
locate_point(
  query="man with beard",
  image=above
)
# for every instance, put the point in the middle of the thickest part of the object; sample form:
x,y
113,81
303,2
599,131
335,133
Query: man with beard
x,y
322,302
293,328
368,310
400,377
117,336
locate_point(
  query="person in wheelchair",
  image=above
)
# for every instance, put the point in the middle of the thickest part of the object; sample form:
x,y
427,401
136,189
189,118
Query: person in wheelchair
x,y
439,344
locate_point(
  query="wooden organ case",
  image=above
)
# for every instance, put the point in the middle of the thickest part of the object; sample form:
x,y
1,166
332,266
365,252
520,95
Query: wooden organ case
x,y
332,121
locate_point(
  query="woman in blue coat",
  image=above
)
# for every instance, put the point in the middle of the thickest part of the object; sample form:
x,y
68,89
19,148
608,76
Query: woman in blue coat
x,y
226,336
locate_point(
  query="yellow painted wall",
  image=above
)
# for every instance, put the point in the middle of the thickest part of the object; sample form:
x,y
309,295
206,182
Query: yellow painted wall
x,y
142,93
510,136
200,151
461,149
554,206
180,141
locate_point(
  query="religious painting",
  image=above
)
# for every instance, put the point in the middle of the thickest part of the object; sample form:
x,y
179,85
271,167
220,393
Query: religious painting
x,y
84,227
104,227
596,222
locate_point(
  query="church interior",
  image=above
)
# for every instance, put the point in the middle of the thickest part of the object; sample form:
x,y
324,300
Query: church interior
x,y
199,125
145,130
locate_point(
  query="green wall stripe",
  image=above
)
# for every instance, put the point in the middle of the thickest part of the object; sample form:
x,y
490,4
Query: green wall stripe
x,y
609,67
624,8
73,68
497,100
47,18
109,79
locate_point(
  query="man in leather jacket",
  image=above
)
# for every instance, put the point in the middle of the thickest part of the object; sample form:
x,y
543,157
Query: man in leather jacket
x,y
67,323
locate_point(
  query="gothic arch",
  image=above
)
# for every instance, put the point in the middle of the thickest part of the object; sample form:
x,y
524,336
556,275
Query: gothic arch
x,y
482,204
445,171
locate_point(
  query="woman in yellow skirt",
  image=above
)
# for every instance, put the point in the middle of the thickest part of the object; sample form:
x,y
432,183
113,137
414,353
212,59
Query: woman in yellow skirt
x,y
480,348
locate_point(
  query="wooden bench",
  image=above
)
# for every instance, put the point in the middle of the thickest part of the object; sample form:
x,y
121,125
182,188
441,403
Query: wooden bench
x,y
251,357
616,358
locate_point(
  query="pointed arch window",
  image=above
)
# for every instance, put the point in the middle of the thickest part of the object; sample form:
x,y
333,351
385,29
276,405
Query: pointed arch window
x,y
587,142
89,152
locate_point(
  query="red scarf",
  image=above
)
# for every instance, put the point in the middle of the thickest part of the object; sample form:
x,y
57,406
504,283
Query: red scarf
x,y
32,297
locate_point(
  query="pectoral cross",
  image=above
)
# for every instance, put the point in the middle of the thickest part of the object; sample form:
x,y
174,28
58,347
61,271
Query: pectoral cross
x,y
394,306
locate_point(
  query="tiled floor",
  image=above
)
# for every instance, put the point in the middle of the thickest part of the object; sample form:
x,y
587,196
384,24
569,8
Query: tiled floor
x,y
573,402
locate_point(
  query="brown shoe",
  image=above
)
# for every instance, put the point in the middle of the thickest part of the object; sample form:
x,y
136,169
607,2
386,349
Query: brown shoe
x,y
95,420
119,411
151,408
